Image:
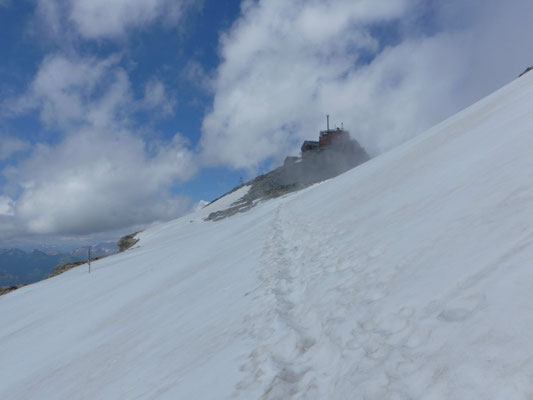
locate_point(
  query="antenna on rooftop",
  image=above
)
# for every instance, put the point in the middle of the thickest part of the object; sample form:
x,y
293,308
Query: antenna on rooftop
x,y
327,116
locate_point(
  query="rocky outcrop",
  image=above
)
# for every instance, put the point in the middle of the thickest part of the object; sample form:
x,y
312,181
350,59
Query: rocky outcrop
x,y
127,241
65,267
124,243
8,289
295,174
525,72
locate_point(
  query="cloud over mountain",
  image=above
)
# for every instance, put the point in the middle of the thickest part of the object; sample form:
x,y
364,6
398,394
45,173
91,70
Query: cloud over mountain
x,y
388,70
111,106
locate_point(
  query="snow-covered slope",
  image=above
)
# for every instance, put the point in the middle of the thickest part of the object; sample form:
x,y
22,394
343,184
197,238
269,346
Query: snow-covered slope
x,y
409,277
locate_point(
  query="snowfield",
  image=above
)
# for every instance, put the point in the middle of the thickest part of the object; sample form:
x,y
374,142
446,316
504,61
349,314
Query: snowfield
x,y
408,277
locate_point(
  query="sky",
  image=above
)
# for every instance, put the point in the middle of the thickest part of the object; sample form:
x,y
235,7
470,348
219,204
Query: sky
x,y
118,114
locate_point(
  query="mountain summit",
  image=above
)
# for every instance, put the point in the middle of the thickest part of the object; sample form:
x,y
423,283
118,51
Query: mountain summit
x,y
407,277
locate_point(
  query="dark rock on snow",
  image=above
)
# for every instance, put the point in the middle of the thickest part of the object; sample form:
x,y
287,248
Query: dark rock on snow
x,y
127,241
295,174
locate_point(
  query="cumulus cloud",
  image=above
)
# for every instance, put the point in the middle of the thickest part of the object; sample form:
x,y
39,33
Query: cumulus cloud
x,y
6,206
104,19
383,68
69,92
95,181
197,76
72,92
157,98
102,174
102,170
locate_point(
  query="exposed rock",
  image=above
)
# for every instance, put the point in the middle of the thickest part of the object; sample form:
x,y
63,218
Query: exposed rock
x,y
8,289
124,243
65,267
127,241
295,174
525,72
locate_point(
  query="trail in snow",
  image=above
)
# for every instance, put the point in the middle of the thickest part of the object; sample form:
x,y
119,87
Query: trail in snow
x,y
330,326
283,336
319,315
407,278
294,335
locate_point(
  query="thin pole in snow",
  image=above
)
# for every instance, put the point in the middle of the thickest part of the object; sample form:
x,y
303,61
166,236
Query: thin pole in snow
x,y
89,258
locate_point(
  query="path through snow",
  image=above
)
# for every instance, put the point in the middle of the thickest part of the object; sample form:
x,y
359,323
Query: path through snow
x,y
330,324
407,278
307,269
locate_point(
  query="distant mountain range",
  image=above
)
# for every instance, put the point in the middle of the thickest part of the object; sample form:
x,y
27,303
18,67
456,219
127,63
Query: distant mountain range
x,y
19,267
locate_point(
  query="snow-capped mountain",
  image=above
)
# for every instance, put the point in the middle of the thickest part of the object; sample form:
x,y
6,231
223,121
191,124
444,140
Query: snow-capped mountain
x,y
20,267
408,277
102,249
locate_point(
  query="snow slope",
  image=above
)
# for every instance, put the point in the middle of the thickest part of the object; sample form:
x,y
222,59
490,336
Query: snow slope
x,y
409,277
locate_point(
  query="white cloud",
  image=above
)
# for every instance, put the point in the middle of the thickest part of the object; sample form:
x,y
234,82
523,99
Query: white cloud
x,y
281,60
70,92
51,13
157,98
102,175
110,19
6,206
10,145
199,205
75,92
286,64
95,181
103,170
197,76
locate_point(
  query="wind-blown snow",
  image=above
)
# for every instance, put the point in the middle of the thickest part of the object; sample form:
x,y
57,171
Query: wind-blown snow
x,y
408,277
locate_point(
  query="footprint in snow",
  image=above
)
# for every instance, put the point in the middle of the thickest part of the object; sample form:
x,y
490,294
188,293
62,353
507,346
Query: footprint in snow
x,y
463,308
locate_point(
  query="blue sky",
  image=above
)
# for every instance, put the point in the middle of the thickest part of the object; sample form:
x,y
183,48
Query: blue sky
x,y
118,114
162,51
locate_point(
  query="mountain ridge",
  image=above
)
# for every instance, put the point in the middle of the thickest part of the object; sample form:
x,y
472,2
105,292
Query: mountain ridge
x,y
22,267
406,277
